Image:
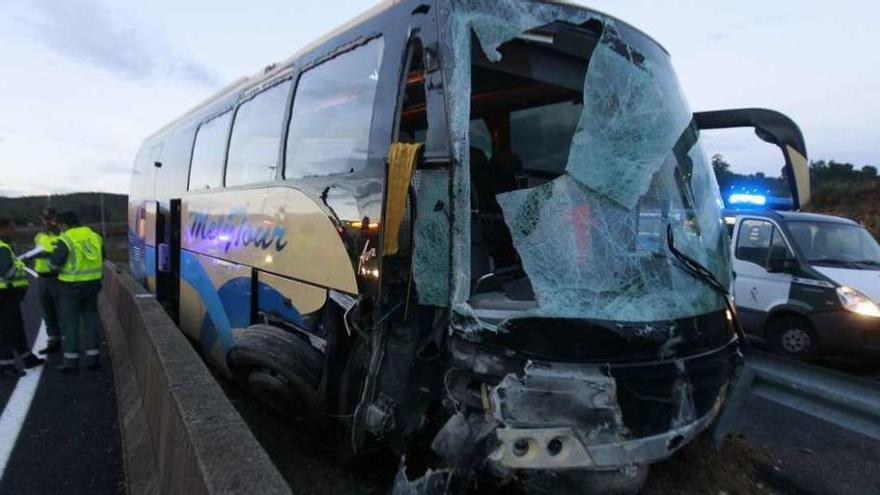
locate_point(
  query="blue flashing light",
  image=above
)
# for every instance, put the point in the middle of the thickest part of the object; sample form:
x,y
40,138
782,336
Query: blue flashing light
x,y
747,199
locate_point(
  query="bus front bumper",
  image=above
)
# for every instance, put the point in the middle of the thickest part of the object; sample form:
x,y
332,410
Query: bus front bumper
x,y
559,418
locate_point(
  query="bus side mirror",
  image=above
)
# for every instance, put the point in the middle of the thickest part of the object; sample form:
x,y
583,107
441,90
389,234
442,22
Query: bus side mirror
x,y
776,129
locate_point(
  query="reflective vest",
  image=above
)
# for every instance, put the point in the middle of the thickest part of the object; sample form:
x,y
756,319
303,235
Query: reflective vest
x,y
18,278
45,240
84,255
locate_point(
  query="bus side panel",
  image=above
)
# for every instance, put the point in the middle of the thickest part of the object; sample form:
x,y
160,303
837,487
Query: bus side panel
x,y
215,298
276,229
288,300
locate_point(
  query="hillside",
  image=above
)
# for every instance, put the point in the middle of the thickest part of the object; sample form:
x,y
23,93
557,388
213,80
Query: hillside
x,y
26,210
837,189
841,189
860,202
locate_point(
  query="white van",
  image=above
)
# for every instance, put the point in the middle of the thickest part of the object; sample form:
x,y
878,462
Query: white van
x,y
808,284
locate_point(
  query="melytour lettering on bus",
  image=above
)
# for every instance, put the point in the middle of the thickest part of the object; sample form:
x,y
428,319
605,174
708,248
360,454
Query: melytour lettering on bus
x,y
233,230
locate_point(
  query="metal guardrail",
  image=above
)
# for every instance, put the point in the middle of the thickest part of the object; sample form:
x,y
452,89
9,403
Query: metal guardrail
x,y
847,401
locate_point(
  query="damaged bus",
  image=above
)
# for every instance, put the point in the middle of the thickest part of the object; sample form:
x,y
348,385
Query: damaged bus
x,y
481,235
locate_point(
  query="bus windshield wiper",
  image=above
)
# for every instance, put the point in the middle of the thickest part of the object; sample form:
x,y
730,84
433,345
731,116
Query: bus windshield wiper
x,y
702,273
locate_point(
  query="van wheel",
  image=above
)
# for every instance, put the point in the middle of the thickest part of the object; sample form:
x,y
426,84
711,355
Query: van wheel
x,y
794,336
278,368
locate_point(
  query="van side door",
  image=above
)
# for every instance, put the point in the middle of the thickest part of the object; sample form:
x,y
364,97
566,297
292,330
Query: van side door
x,y
756,288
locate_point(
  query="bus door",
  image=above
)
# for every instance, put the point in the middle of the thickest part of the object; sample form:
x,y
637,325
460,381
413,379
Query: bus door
x,y
150,242
168,257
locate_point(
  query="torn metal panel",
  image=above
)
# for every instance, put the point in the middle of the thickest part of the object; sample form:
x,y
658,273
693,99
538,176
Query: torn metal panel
x,y
530,449
568,416
737,392
558,395
431,231
432,482
683,393
580,451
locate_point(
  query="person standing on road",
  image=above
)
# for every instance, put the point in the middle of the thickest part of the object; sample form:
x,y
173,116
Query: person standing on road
x,y
48,281
79,259
13,287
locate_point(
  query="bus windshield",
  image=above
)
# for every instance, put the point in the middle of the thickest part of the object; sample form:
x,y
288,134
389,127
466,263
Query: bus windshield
x,y
575,152
836,244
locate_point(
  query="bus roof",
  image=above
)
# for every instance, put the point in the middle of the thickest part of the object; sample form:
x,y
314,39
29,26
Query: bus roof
x,y
275,69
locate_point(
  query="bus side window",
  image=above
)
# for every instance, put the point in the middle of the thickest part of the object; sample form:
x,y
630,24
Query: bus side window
x,y
256,135
175,163
206,168
332,112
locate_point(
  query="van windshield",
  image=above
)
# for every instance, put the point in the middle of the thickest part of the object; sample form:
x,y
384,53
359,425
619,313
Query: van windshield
x,y
836,244
577,152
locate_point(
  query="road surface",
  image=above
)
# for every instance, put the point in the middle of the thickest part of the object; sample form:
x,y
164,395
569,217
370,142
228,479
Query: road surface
x,y
67,440
812,456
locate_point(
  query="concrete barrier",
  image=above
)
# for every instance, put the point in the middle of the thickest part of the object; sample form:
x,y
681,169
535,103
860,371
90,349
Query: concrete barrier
x,y
180,432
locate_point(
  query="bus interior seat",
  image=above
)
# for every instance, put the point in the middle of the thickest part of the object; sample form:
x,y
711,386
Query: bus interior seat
x,y
514,294
481,263
499,284
506,167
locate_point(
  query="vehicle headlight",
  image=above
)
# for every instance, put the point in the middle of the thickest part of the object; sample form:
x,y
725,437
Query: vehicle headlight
x,y
857,302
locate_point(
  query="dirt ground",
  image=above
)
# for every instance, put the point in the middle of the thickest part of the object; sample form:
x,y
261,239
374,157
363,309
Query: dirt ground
x,y
735,470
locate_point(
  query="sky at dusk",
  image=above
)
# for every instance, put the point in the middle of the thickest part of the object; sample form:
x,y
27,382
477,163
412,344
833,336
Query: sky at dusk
x,y
83,82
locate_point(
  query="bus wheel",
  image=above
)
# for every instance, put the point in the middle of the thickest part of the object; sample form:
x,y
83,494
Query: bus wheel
x,y
278,368
793,336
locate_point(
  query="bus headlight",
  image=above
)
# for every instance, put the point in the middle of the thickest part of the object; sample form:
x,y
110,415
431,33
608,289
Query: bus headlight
x,y
857,302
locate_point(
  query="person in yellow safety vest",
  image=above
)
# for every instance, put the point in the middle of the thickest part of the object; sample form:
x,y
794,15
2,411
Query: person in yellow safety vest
x,y
48,282
13,287
79,259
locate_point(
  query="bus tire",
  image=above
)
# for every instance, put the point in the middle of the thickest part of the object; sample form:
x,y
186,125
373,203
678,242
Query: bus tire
x,y
280,369
793,336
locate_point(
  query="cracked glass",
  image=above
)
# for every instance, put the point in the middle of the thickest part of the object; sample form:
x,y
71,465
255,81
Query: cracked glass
x,y
584,218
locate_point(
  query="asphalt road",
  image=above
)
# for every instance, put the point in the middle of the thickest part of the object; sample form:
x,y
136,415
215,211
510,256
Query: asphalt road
x,y
812,456
69,441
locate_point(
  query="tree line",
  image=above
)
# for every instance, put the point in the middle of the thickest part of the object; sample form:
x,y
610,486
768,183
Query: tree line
x,y
27,210
838,188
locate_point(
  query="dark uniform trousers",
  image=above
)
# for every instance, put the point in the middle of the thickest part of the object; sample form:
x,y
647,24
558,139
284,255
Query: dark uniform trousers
x,y
12,337
79,304
51,305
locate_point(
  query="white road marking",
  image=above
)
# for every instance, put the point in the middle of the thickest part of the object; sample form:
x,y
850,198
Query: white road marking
x,y
12,419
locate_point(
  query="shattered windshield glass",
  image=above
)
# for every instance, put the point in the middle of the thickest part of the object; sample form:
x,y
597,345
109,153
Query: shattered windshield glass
x,y
594,156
